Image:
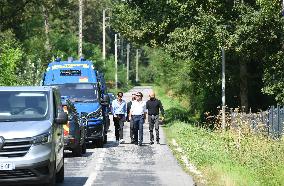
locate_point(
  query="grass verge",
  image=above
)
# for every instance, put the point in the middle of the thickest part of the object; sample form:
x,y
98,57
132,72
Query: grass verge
x,y
224,158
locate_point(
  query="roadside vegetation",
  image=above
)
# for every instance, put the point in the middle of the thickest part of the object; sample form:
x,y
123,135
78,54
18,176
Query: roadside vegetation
x,y
223,158
183,41
34,33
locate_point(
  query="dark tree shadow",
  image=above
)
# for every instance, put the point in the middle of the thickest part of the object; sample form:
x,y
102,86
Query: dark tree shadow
x,y
174,114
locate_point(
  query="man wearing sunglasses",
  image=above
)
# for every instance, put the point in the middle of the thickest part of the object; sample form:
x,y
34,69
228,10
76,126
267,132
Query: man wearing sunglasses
x,y
119,116
138,115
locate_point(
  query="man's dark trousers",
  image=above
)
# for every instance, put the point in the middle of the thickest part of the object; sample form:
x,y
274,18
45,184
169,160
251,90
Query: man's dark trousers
x,y
154,122
138,121
131,130
118,124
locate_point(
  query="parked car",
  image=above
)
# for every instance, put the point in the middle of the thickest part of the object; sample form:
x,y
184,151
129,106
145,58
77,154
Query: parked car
x,y
31,135
74,130
111,98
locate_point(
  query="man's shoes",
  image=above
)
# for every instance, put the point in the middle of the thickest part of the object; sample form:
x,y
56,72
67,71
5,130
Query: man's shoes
x,y
151,142
136,143
158,142
121,141
140,144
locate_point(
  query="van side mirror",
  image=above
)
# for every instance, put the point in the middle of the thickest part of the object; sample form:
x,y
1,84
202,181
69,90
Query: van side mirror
x,y
62,118
105,101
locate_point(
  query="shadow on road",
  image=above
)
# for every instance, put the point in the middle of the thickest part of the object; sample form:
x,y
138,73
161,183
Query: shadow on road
x,y
73,181
70,155
111,144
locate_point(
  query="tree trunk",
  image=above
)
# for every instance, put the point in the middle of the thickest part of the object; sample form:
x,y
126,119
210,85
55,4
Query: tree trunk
x,y
244,85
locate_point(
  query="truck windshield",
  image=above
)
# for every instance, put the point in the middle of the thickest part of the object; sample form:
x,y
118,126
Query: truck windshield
x,y
81,92
23,106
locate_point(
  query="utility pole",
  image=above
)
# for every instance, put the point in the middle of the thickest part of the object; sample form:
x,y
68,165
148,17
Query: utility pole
x,y
115,57
223,90
121,50
80,28
104,35
127,62
137,59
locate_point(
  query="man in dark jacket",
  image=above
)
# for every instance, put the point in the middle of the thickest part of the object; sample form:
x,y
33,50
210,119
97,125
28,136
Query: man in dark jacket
x,y
130,120
154,107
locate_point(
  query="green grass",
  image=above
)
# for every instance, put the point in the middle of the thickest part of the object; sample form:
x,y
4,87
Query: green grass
x,y
228,158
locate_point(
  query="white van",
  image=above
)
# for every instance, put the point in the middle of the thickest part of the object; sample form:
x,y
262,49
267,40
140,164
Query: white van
x,y
31,135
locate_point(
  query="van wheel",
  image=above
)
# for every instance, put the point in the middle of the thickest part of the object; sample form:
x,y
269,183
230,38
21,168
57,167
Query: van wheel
x,y
105,139
84,148
60,175
77,152
52,181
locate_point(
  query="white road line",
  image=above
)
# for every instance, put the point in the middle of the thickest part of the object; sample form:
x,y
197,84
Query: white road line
x,y
99,162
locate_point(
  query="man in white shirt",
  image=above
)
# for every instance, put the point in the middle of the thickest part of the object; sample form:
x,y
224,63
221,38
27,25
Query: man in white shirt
x,y
138,115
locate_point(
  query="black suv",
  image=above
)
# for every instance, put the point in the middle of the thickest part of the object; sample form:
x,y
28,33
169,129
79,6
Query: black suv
x,y
74,130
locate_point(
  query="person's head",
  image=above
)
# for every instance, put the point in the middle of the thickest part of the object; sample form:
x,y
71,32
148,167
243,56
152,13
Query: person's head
x,y
152,95
139,96
119,95
133,96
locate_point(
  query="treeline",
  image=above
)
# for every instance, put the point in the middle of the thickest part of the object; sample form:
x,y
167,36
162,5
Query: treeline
x,y
184,41
181,45
35,32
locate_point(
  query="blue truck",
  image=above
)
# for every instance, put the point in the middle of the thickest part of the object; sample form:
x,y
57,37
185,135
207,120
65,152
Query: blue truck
x,y
83,85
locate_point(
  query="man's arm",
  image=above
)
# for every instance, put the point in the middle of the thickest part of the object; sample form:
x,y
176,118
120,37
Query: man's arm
x,y
125,109
113,108
130,115
161,109
145,110
147,105
130,112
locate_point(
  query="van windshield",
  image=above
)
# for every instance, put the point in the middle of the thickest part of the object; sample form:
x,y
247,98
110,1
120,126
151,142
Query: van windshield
x,y
80,92
23,106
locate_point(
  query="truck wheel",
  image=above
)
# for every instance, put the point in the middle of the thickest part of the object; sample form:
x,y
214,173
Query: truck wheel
x,y
60,175
77,152
84,148
100,143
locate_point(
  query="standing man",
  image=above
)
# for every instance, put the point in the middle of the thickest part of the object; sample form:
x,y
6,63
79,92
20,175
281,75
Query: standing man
x,y
130,120
154,106
119,116
138,115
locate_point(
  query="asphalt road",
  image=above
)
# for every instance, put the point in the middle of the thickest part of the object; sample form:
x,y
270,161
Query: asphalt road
x,y
126,164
